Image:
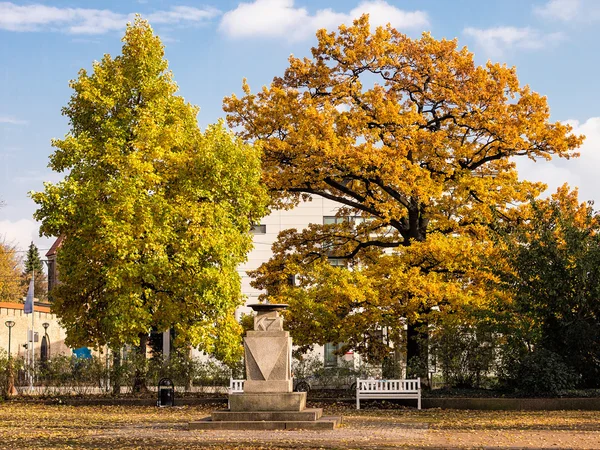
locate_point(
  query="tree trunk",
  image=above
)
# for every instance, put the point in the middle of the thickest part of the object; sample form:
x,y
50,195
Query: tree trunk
x,y
139,381
10,387
417,351
189,378
116,372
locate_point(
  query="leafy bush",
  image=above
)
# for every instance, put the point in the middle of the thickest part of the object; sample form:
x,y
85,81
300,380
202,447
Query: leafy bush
x,y
543,372
3,372
17,365
80,376
391,368
212,373
310,369
465,354
304,366
180,368
186,371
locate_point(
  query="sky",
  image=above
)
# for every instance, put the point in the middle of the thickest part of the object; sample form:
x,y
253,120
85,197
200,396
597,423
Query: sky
x,y
211,46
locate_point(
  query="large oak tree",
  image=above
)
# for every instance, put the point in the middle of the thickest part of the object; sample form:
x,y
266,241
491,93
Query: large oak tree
x,y
418,144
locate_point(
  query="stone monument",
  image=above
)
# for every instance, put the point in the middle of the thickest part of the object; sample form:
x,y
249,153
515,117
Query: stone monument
x,y
268,401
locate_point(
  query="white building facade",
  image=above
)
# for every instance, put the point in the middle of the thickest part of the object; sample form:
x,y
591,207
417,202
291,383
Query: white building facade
x,y
317,211
312,212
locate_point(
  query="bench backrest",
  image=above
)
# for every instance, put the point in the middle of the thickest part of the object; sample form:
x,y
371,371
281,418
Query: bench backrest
x,y
236,385
388,385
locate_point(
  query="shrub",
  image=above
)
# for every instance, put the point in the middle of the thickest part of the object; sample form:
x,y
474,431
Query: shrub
x,y
466,354
391,368
17,365
310,368
543,372
304,366
78,375
212,373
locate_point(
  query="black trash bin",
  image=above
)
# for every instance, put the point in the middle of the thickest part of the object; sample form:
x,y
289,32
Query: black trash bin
x,y
166,393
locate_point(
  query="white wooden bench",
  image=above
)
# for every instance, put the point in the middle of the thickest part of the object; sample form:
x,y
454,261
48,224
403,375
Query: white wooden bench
x,y
235,387
388,389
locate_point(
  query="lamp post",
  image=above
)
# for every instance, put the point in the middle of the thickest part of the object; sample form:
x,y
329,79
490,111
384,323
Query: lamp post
x,y
32,331
11,378
9,324
46,325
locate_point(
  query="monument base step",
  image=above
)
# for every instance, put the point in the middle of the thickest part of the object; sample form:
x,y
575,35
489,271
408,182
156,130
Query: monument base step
x,y
306,415
267,401
324,423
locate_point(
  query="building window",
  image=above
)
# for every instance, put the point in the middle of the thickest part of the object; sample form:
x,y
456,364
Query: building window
x,y
329,220
356,220
331,358
258,229
338,262
291,280
50,274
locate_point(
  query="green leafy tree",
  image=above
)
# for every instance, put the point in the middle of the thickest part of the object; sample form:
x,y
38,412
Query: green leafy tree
x,y
35,267
11,278
11,289
553,278
32,260
155,214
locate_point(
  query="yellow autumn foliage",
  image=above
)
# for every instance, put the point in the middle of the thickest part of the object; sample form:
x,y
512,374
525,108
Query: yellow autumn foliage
x,y
415,139
155,214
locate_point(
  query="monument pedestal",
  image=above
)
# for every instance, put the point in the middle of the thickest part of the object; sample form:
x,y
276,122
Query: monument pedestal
x,y
266,421
275,416
308,418
267,402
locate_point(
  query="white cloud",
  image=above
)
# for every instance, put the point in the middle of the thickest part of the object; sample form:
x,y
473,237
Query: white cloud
x,y
495,41
280,18
578,172
12,121
182,14
21,233
566,10
38,17
574,11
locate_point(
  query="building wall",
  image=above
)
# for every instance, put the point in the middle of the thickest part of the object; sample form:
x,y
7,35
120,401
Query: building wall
x,y
14,312
300,217
306,213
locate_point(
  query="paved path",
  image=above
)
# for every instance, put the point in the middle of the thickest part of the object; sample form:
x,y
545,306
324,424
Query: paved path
x,y
33,426
356,433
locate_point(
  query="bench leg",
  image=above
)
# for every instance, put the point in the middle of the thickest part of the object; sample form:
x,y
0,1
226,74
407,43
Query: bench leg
x,y
357,402
419,402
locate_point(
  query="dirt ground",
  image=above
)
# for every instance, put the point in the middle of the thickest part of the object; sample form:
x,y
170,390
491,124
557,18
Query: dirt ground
x,y
35,426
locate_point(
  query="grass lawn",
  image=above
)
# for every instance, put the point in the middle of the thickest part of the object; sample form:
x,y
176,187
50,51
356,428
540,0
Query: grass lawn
x,y
24,426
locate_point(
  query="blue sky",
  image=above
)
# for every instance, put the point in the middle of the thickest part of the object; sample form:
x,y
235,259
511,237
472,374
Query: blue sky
x,y
211,46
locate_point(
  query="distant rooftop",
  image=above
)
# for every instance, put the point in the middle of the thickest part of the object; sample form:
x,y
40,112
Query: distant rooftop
x,y
55,246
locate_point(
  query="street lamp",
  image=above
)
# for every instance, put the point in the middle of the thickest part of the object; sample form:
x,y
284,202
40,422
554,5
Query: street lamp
x,y
11,378
46,325
9,324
